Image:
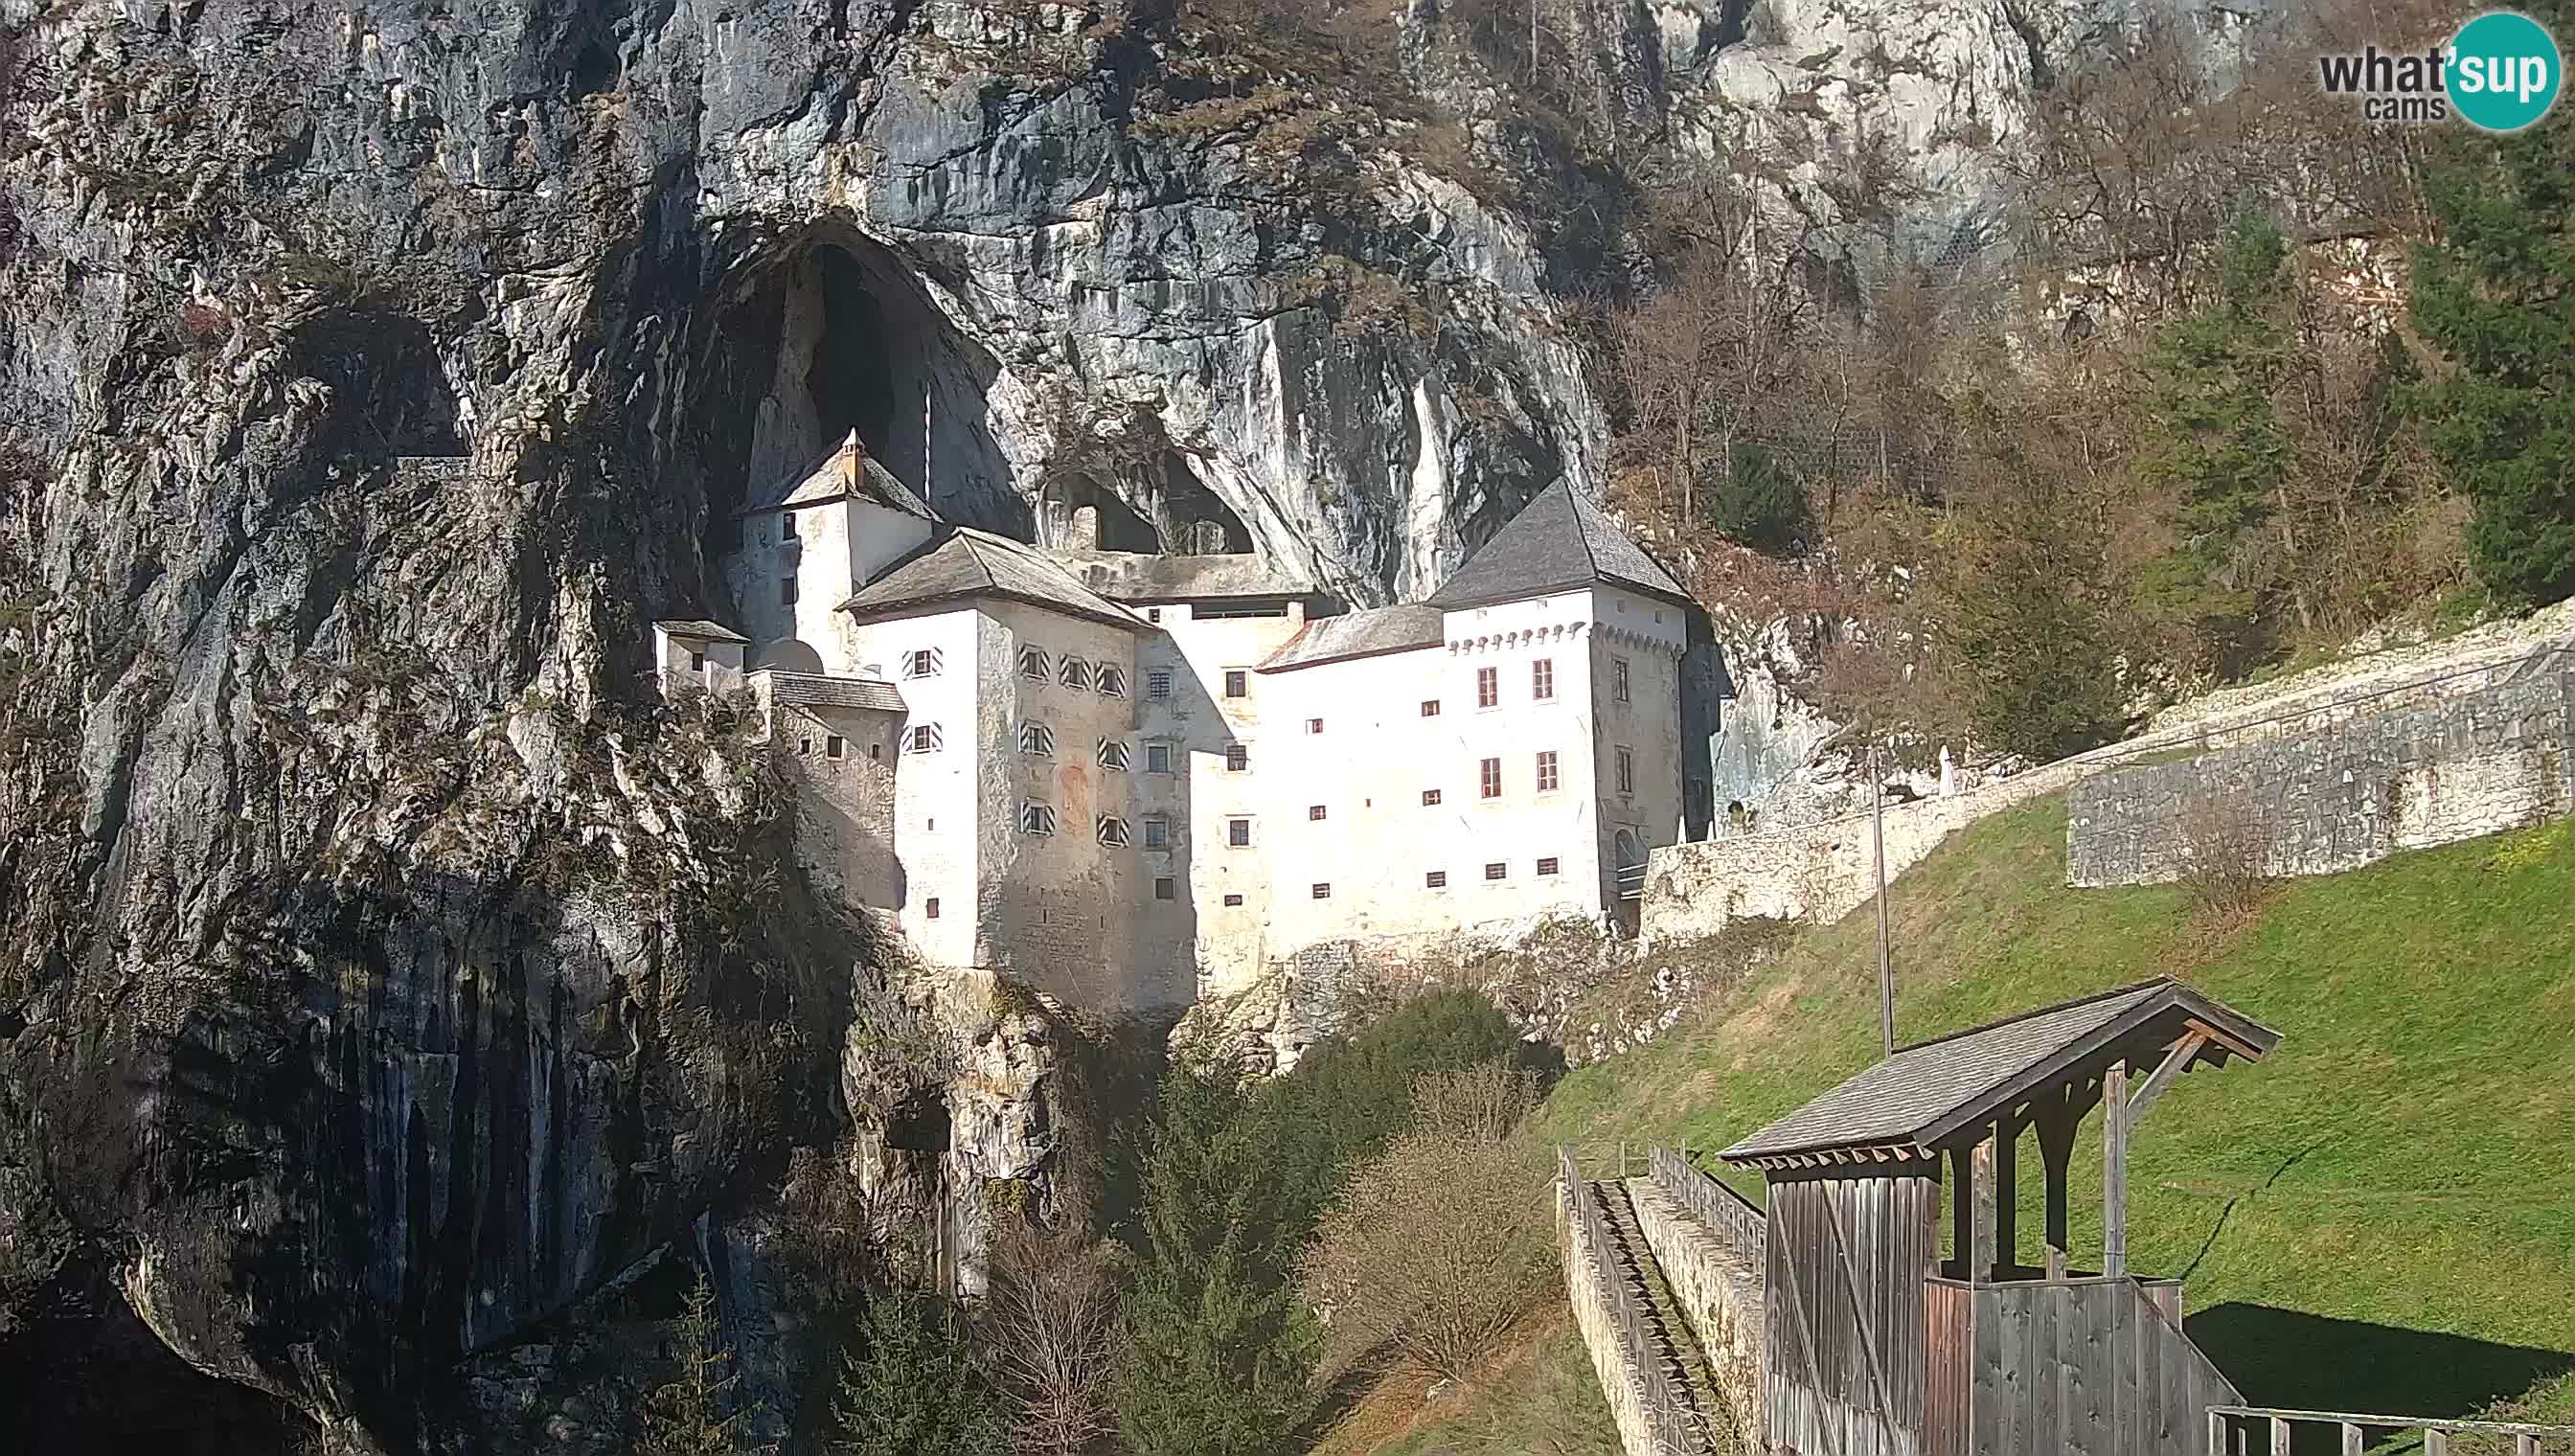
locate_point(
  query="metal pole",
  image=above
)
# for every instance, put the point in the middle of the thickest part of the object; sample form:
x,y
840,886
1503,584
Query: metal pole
x,y
1877,839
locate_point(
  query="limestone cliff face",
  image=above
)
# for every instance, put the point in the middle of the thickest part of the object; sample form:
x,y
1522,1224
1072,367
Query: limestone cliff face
x,y
378,980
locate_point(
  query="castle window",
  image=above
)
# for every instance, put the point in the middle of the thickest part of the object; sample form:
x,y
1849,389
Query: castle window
x,y
1113,754
785,526
1234,899
1313,725
786,590
1430,708
1238,832
1435,879
1034,665
1074,673
832,747
1238,683
923,737
1112,830
1619,678
1548,865
1157,831
1158,758
1157,683
1322,891
805,748
697,662
1237,757
1489,686
1497,869
1036,738
1165,888
1315,812
929,907
1542,678
1111,681
1627,771
922,663
876,752
1489,775
1153,614
1547,771
1429,795
1036,819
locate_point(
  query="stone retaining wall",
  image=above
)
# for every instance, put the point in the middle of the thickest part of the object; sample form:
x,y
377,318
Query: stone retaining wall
x,y
2339,797
1620,1384
1719,1296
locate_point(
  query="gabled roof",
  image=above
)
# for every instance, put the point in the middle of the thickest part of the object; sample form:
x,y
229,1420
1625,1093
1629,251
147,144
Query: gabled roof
x,y
1558,543
1127,576
816,690
1359,635
700,627
847,472
964,563
1923,1095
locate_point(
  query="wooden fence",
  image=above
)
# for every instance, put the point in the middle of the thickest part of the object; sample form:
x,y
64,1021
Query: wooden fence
x,y
2231,1429
1666,1419
1730,1216
2093,1368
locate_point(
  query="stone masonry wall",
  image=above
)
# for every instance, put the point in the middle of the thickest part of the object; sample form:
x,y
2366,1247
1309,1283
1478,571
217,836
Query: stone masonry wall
x,y
2331,801
1620,1384
1719,1294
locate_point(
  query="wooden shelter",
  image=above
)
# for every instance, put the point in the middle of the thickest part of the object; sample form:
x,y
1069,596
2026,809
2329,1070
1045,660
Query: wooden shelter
x,y
1875,1344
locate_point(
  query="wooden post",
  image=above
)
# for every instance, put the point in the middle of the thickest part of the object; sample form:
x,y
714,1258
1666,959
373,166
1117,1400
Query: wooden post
x,y
2114,1170
2006,1197
2057,1154
2436,1442
1983,1265
1963,1216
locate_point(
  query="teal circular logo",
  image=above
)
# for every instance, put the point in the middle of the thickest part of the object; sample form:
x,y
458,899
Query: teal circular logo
x,y
2502,70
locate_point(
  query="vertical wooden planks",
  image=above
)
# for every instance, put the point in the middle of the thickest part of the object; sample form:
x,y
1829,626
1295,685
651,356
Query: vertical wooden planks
x,y
2085,1345
2147,1417
2046,1372
1985,1386
2114,1170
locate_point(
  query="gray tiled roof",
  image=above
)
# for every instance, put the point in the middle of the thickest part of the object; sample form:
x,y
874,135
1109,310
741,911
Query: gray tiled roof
x,y
969,564
813,690
1967,1077
1359,635
700,626
1127,576
1559,542
848,470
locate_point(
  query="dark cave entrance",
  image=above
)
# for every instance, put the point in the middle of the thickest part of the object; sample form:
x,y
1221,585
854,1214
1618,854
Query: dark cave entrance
x,y
854,377
1166,508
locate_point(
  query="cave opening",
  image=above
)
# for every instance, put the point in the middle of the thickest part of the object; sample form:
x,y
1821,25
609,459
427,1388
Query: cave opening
x,y
1195,519
1084,515
852,380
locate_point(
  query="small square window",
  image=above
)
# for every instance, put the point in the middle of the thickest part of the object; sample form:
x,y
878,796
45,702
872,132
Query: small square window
x,y
921,738
1430,795
1038,739
805,748
1110,831
1153,614
1315,812
921,662
1233,899
1435,879
1238,683
1157,683
1111,681
832,747
1547,771
1157,831
1497,869
1036,819
1430,708
1489,775
786,590
1542,678
1035,665
1237,757
1075,673
1489,686
1238,832
1158,758
1113,754
1323,891
1313,726
697,662
929,907
1165,888
876,752
1548,865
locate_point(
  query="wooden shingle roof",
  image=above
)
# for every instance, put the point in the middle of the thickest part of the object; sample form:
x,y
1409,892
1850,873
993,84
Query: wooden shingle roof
x,y
1920,1098
1364,634
1559,542
699,627
818,689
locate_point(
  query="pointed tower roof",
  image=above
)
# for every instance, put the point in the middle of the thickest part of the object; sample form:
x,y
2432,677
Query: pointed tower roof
x,y
1558,543
966,563
847,472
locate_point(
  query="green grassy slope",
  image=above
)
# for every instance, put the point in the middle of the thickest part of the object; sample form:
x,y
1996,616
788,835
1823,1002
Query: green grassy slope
x,y
2379,1216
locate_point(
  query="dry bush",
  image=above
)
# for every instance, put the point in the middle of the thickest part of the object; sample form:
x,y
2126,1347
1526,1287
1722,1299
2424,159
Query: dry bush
x,y
2226,843
1051,1315
1437,1245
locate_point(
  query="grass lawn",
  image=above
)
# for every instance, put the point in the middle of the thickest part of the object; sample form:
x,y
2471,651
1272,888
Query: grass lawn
x,y
1538,1397
2380,1216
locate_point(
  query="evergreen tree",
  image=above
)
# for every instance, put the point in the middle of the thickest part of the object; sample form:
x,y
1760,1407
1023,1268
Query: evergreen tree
x,y
1218,1362
2497,294
914,1388
690,1414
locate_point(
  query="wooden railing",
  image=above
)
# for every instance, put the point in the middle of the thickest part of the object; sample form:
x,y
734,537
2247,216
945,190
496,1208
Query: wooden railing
x,y
2230,1430
1666,1419
1730,1216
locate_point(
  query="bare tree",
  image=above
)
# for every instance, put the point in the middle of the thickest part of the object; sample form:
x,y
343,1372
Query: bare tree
x,y
2228,845
1053,1318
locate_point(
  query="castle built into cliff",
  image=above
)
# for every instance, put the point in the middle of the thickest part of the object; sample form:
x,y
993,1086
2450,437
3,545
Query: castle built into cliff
x,y
1147,780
